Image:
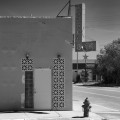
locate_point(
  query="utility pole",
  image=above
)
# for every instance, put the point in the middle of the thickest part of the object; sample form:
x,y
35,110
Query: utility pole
x,y
85,57
77,63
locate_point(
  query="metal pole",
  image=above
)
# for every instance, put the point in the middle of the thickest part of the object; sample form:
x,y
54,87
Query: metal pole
x,y
85,67
63,8
77,68
85,57
77,63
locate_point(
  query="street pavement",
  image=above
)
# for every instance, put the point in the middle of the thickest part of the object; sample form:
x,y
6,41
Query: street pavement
x,y
105,101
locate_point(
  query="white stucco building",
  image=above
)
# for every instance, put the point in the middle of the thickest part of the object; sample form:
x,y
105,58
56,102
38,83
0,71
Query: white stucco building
x,y
35,63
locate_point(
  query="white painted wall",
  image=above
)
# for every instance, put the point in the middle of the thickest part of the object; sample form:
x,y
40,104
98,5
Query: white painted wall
x,y
43,89
43,38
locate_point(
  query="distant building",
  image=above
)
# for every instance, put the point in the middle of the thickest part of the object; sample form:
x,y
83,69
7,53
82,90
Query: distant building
x,y
80,64
35,63
80,68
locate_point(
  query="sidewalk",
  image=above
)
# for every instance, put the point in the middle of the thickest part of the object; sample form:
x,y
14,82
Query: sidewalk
x,y
76,114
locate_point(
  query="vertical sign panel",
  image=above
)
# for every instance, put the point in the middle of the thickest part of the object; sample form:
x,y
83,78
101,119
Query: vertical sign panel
x,y
79,26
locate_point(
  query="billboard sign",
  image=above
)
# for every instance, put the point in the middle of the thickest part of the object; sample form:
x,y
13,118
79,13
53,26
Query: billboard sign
x,y
88,46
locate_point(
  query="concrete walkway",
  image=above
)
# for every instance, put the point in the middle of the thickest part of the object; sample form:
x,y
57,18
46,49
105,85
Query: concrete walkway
x,y
76,114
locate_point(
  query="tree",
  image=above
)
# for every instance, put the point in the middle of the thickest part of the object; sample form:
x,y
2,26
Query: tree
x,y
84,76
108,62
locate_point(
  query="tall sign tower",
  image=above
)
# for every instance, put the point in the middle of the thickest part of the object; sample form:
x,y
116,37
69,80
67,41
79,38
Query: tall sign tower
x,y
79,26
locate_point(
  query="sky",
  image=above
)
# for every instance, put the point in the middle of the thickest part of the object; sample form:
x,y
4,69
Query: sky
x,y
102,19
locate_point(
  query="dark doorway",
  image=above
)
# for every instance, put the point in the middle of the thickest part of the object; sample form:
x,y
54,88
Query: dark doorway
x,y
28,89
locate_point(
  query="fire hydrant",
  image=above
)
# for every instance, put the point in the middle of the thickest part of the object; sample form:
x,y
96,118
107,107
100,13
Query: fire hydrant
x,y
86,107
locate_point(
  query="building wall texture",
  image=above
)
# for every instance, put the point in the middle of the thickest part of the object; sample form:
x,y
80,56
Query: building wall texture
x,y
42,39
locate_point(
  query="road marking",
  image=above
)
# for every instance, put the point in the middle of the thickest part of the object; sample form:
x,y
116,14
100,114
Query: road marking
x,y
97,94
97,89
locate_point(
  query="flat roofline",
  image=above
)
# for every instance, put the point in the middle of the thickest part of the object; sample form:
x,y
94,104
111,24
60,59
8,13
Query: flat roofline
x,y
83,61
45,17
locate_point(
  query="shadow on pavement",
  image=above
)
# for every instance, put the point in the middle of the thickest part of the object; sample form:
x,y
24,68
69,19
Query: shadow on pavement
x,y
35,112
78,117
11,111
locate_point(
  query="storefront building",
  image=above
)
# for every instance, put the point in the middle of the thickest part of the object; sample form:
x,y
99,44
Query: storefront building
x,y
35,63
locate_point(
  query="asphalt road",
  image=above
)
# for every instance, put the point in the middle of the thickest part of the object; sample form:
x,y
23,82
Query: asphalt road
x,y
105,101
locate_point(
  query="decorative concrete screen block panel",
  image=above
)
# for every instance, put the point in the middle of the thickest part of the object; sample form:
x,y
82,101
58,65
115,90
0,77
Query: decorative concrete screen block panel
x,y
27,64
58,94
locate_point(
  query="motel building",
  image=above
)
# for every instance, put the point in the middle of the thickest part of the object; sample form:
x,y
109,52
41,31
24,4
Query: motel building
x,y
35,63
81,65
84,51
